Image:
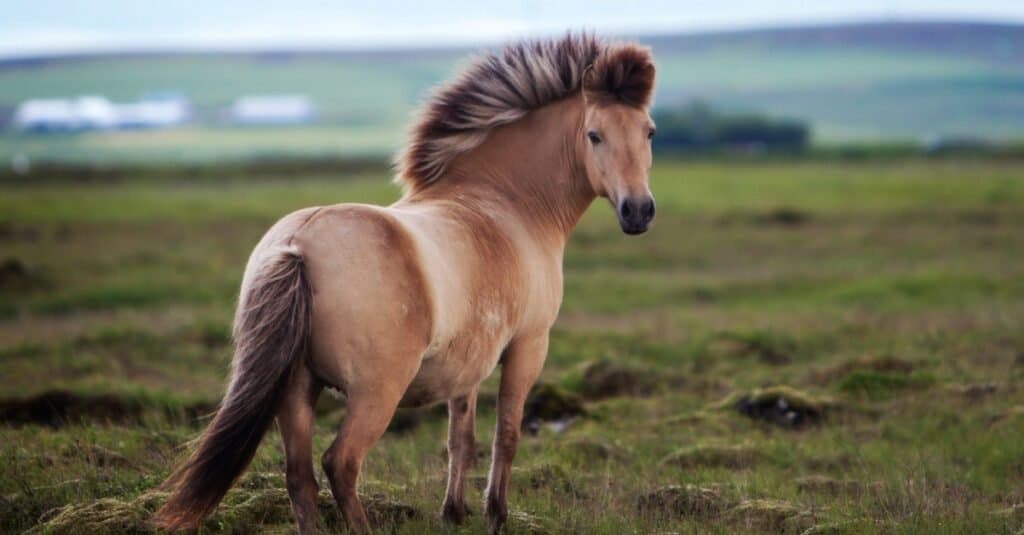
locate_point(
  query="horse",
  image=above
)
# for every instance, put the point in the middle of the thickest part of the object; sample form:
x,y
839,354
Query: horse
x,y
418,302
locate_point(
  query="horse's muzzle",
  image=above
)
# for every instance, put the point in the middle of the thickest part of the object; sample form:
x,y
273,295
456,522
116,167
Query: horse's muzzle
x,y
636,214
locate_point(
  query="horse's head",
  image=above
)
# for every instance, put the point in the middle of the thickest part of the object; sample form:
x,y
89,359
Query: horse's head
x,y
617,133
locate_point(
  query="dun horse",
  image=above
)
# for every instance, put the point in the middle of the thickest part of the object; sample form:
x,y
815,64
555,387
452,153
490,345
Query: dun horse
x,y
418,302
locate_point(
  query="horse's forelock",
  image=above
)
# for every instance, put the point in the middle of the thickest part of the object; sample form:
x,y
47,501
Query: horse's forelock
x,y
622,73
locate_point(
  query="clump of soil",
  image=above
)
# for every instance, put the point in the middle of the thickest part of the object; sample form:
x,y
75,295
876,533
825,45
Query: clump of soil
x,y
884,364
733,457
770,516
685,501
605,379
16,276
883,384
974,392
57,408
783,216
768,347
521,521
13,232
784,406
548,403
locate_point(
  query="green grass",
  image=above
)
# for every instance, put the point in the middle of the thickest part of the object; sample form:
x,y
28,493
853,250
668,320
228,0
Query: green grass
x,y
897,296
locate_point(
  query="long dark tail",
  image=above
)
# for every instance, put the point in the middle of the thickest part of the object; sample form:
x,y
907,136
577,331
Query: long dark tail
x,y
271,332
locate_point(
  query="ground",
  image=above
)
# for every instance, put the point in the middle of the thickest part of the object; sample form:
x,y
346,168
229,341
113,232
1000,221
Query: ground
x,y
801,346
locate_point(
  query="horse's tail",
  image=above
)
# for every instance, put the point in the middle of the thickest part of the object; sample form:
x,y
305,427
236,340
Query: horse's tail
x,y
271,332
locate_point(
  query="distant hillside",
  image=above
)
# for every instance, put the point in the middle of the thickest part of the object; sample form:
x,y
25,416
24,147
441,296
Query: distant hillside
x,y
855,82
981,40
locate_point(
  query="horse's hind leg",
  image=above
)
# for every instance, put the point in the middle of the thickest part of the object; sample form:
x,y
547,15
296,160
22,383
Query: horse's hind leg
x,y
369,410
295,421
461,453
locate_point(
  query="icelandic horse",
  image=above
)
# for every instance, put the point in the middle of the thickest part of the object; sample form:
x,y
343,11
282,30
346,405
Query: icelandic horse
x,y
418,302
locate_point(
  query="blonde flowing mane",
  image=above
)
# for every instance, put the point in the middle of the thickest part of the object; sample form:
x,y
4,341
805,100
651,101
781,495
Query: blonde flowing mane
x,y
501,87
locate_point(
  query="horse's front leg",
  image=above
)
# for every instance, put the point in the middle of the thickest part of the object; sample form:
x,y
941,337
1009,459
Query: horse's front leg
x,y
521,366
461,453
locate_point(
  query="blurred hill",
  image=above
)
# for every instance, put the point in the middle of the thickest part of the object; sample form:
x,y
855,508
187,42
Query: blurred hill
x,y
891,81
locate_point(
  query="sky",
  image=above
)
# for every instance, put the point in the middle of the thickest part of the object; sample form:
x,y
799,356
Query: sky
x,y
36,27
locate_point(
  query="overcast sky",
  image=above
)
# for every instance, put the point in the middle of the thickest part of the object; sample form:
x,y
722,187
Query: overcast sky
x,y
29,27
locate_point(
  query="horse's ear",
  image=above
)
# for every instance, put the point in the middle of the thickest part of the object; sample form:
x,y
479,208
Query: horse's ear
x,y
623,73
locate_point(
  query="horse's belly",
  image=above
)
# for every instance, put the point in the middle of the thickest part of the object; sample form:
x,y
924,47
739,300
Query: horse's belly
x,y
452,372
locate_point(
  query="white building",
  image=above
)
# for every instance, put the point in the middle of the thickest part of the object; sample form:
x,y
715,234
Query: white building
x,y
65,115
158,111
99,113
273,109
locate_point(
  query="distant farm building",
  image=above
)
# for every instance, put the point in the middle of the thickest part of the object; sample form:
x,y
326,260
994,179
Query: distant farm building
x,y
158,110
99,113
65,115
273,110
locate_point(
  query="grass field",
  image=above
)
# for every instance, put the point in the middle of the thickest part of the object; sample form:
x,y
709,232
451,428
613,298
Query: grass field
x,y
794,347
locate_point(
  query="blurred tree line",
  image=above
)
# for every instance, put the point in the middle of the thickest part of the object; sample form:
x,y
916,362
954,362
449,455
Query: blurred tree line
x,y
696,127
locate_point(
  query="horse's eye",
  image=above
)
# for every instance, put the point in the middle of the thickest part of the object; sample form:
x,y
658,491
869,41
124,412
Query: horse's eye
x,y
650,134
593,137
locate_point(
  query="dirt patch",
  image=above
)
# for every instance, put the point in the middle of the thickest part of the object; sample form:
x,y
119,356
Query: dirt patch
x,y
16,276
784,406
731,457
687,501
768,347
58,408
782,216
884,384
606,379
974,392
770,516
884,364
10,231
1009,415
548,403
521,521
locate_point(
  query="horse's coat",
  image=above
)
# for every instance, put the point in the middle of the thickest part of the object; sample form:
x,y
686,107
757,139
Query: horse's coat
x,y
418,302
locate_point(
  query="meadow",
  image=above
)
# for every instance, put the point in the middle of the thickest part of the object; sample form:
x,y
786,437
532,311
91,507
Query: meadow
x,y
799,347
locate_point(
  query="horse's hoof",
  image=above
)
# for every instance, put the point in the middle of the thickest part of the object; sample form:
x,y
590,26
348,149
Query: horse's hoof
x,y
455,514
497,514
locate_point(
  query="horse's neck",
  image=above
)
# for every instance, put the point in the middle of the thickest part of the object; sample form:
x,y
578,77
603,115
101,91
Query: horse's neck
x,y
528,171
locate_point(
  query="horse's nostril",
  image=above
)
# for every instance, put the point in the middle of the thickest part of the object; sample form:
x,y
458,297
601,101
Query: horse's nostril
x,y
625,209
648,209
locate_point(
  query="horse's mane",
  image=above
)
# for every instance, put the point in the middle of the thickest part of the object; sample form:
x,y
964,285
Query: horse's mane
x,y
500,87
